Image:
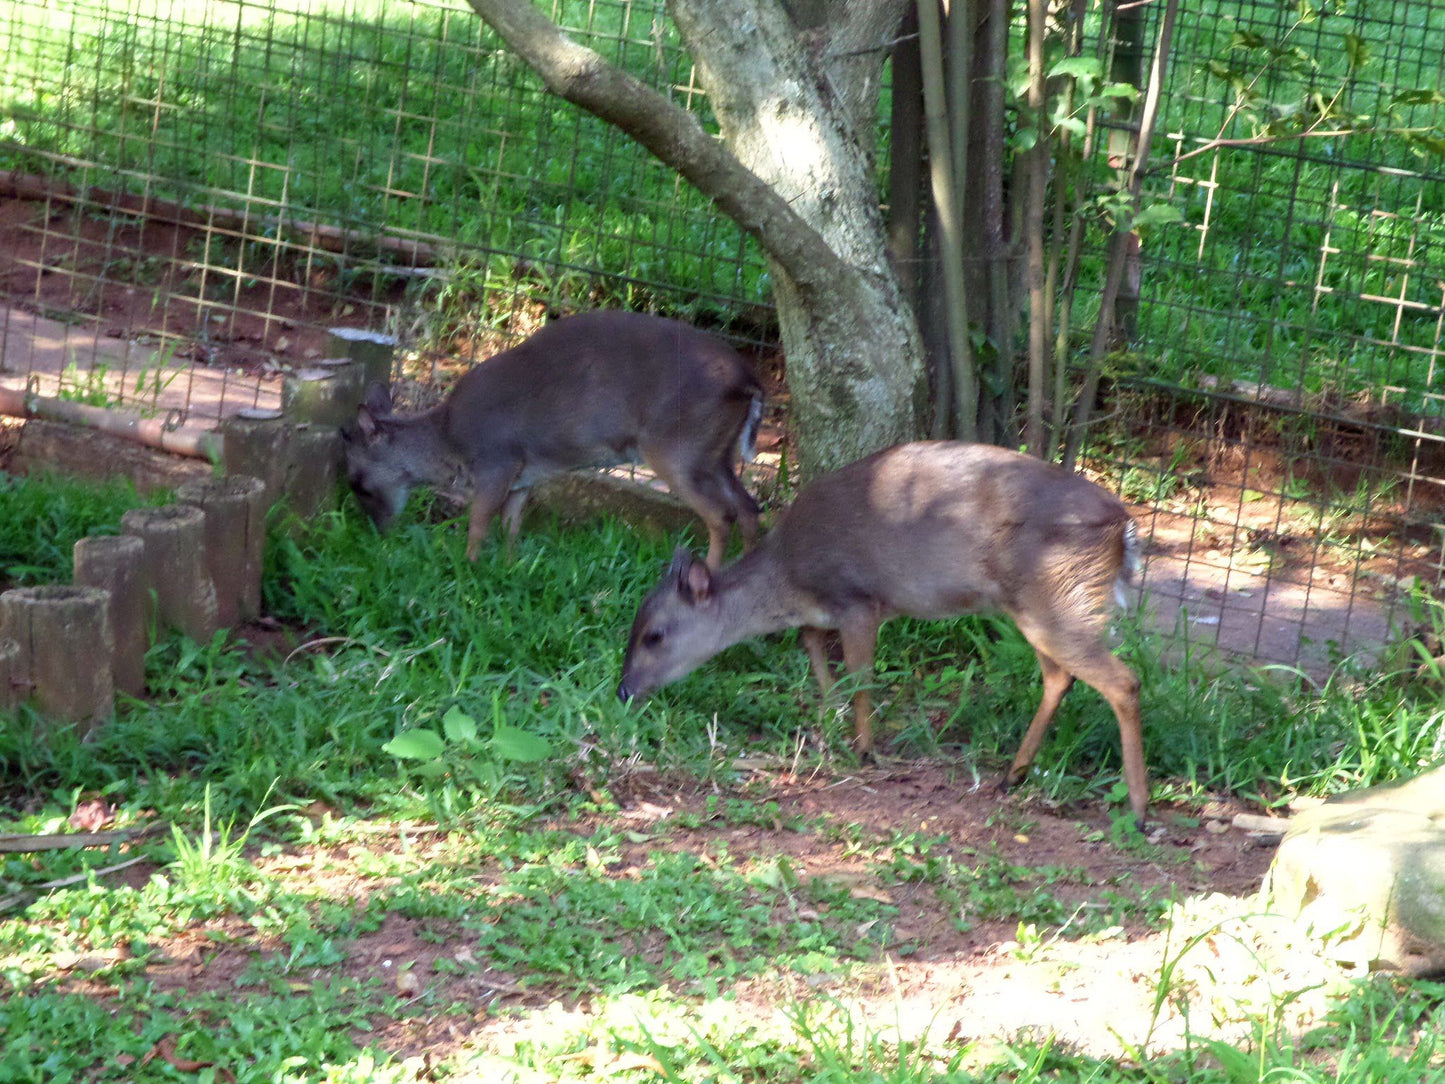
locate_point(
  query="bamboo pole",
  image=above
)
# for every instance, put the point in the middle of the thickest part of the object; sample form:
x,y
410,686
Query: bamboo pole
x,y
195,441
1064,261
946,202
1038,166
1118,254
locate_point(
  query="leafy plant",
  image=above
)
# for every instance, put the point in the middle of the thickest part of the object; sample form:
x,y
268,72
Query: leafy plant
x,y
88,387
436,754
213,863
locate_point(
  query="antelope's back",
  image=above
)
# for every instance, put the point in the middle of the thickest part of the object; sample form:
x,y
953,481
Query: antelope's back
x,y
938,528
597,380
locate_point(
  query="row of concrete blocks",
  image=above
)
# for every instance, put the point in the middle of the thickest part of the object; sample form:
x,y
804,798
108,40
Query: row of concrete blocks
x,y
194,565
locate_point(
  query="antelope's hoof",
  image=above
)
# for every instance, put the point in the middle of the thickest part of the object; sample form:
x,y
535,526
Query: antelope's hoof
x,y
1010,779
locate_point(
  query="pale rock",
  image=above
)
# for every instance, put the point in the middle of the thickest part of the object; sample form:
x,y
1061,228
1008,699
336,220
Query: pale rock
x,y
1365,873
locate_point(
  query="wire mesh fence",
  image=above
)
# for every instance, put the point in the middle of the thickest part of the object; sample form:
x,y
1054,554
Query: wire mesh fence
x,y
1288,384
222,182
194,194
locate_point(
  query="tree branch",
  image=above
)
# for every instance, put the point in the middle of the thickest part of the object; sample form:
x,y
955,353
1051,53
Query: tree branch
x,y
672,134
1285,137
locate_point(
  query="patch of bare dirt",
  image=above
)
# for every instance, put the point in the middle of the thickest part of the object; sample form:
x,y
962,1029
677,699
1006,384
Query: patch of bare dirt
x,y
177,283
828,826
1281,542
933,798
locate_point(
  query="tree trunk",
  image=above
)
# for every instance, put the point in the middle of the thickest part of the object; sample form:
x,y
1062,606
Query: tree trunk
x,y
1037,167
947,167
794,96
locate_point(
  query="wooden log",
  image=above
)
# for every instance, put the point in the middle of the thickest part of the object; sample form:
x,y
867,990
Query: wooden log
x,y
374,350
175,563
116,563
323,395
65,650
298,462
301,234
354,381
12,690
313,456
253,443
235,512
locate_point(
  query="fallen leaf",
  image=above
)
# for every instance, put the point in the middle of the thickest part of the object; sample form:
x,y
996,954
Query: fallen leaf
x,y
165,1049
626,1063
92,815
407,984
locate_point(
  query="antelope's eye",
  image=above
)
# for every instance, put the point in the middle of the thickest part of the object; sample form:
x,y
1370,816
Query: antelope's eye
x,y
651,638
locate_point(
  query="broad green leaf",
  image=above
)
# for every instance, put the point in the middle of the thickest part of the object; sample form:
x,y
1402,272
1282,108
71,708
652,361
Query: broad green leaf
x,y
1239,1066
512,743
1118,90
1418,96
458,726
1157,214
1076,66
415,745
1357,51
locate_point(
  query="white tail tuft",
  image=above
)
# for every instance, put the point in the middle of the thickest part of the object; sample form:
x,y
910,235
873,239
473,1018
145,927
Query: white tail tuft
x,y
748,438
1130,567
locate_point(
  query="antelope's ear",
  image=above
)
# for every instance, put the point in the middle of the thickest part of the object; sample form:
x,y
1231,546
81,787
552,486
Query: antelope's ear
x,y
372,412
365,428
690,576
378,399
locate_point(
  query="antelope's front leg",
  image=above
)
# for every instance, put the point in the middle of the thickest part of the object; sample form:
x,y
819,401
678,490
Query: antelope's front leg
x,y
489,493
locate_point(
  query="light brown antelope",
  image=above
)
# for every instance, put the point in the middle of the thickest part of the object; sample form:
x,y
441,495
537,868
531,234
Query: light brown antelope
x,y
929,530
593,390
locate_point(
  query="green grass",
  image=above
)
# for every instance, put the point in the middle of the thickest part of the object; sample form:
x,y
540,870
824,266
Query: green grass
x,y
413,632
290,838
498,834
44,518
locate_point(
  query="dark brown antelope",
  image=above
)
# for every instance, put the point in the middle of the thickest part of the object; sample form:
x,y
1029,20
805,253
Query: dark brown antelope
x,y
594,390
929,530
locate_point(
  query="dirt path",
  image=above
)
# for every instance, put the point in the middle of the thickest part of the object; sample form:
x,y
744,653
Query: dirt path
x,y
943,973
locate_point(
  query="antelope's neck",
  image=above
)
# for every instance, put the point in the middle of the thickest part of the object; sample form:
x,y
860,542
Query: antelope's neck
x,y
756,598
